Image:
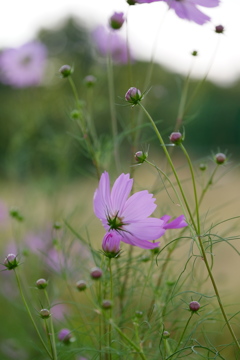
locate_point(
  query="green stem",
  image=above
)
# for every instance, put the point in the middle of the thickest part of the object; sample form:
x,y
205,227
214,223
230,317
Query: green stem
x,y
184,330
217,293
53,341
30,315
113,112
125,280
170,163
194,187
110,310
208,184
138,349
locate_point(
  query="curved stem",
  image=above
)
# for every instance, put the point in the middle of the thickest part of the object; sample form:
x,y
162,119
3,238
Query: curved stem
x,y
30,315
53,342
217,293
184,330
138,349
194,187
170,163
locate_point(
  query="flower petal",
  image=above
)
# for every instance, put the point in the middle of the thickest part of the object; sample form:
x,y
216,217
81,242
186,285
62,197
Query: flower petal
x,y
206,3
139,206
177,223
143,244
101,200
147,229
120,192
189,12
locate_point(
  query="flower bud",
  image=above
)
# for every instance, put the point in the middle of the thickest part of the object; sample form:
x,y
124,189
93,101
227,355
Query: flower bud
x,y
45,313
140,156
116,20
90,80
202,167
11,261
139,314
66,71
96,273
106,304
219,29
220,158
57,225
41,284
81,285
194,53
65,336
111,244
133,96
166,334
75,114
194,306
176,138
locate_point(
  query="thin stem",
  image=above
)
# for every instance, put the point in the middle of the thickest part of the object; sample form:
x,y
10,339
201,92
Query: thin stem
x,y
52,338
138,349
125,280
217,293
184,330
113,111
194,187
110,310
30,315
170,163
208,184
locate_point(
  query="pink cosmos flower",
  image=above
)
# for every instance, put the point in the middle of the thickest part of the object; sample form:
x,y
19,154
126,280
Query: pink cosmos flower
x,y
24,66
187,9
129,216
109,42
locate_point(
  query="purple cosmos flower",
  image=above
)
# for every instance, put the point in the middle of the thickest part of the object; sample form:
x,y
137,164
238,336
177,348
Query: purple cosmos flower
x,y
187,9
23,66
109,42
128,217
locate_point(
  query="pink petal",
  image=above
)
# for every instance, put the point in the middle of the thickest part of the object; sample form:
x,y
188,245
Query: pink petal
x,y
148,229
101,200
177,223
143,244
188,11
120,192
206,3
139,206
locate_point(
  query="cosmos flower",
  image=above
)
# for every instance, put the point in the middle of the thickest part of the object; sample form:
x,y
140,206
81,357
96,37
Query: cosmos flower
x,y
187,9
109,42
129,216
24,66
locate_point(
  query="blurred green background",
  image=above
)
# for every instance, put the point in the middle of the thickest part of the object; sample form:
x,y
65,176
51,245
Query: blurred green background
x,y
36,128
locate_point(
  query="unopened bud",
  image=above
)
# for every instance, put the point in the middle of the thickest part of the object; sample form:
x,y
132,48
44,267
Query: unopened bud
x,y
219,29
166,334
57,225
96,273
106,304
140,156
41,284
90,80
66,71
194,306
111,244
11,261
81,285
45,313
176,138
139,314
194,53
116,20
202,167
65,336
220,158
133,96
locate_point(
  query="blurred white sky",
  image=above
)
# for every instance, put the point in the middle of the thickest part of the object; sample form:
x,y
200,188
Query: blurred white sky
x,y
20,21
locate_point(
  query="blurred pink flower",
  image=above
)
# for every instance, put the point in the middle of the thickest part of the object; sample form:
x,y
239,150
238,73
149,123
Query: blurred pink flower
x,y
187,9
23,66
109,42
